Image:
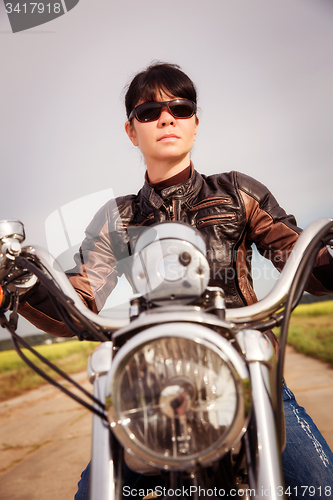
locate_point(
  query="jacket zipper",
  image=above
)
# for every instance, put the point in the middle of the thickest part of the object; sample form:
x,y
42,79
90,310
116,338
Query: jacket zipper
x,y
170,212
209,202
215,219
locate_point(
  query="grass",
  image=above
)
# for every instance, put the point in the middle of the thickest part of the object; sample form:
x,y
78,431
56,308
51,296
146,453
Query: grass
x,y
314,309
16,377
311,330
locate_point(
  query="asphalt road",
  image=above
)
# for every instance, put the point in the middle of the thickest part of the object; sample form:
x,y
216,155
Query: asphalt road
x,y
45,436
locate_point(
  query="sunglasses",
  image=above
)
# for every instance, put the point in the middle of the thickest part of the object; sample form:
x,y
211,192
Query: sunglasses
x,y
151,111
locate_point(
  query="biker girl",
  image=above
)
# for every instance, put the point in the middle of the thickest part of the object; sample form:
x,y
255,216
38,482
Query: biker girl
x,y
231,210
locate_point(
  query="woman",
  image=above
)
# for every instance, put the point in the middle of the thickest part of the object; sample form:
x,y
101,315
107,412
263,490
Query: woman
x,y
231,210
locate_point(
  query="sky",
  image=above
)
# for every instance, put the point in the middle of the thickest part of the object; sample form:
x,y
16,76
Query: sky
x,y
264,74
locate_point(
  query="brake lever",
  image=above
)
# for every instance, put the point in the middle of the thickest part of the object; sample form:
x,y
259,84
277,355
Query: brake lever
x,y
329,247
13,318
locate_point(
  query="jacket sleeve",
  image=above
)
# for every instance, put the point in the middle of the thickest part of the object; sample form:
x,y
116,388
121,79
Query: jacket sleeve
x,y
275,233
94,276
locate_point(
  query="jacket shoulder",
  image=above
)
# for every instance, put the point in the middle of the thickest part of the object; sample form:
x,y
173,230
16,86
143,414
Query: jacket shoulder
x,y
253,188
236,181
226,180
265,200
259,193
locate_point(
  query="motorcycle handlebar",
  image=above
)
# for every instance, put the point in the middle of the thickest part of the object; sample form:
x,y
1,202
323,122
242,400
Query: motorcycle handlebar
x,y
54,269
249,314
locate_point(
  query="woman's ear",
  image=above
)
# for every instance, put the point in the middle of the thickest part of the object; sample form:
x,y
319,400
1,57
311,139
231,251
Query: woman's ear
x,y
196,126
130,131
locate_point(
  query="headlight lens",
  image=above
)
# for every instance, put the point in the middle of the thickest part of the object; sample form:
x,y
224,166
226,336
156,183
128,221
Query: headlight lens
x,y
175,400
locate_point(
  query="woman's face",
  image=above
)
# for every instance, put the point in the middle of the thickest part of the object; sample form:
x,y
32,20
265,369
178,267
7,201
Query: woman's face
x,y
167,139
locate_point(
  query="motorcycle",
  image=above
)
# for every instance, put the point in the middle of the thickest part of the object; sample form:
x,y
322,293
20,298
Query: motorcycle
x,y
187,392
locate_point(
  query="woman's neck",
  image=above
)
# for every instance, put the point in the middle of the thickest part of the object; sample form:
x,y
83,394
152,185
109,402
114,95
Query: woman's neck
x,y
161,171
171,181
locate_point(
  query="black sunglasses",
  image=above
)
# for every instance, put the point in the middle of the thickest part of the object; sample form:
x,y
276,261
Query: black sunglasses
x,y
151,111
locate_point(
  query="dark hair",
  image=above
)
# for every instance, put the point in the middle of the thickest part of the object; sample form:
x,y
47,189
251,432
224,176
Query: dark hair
x,y
159,77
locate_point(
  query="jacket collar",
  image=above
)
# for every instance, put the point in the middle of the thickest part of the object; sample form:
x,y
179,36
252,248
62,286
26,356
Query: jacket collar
x,y
185,190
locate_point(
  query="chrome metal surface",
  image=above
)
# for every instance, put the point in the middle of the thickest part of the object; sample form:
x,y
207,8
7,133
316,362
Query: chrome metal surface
x,y
269,476
206,338
161,315
99,362
15,280
23,284
11,246
170,264
254,345
171,230
102,472
159,276
259,352
11,229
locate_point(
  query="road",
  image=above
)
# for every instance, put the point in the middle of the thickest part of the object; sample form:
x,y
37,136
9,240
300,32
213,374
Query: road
x,y
45,436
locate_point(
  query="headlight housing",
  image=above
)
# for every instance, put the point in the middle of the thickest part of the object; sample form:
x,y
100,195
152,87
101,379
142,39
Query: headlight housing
x,y
178,395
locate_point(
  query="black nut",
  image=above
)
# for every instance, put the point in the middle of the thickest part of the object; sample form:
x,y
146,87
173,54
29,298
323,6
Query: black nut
x,y
185,259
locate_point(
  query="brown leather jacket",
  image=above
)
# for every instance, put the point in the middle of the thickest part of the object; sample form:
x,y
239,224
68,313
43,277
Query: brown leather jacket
x,y
231,210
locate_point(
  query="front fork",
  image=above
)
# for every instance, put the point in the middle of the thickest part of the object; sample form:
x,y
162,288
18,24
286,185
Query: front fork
x,y
104,476
259,353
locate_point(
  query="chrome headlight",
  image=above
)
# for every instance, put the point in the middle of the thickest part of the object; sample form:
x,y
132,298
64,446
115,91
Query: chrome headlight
x,y
178,395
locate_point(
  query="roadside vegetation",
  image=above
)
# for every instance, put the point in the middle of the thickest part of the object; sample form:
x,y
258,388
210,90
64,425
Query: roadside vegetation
x,y
311,330
16,377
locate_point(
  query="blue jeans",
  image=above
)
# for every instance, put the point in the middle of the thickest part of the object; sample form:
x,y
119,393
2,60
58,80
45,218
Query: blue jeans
x,y
307,460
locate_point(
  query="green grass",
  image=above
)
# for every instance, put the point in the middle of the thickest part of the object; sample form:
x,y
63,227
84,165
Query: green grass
x,y
314,309
311,330
16,377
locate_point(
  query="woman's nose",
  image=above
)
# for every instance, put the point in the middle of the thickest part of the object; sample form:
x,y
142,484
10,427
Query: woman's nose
x,y
166,117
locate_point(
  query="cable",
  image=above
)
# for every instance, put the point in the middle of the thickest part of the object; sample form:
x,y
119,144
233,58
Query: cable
x,y
18,340
65,317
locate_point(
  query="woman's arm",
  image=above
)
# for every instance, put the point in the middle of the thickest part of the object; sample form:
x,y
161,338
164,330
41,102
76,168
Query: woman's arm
x,y
275,233
94,276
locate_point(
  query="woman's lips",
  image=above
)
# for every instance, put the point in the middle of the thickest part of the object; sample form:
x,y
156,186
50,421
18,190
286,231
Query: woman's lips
x,y
168,137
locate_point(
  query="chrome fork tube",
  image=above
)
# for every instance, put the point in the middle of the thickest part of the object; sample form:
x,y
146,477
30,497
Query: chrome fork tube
x,y
103,472
269,473
259,352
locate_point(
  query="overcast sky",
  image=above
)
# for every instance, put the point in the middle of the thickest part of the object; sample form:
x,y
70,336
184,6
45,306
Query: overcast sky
x,y
263,69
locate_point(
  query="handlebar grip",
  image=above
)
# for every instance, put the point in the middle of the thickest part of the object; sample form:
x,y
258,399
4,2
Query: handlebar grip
x,y
5,299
